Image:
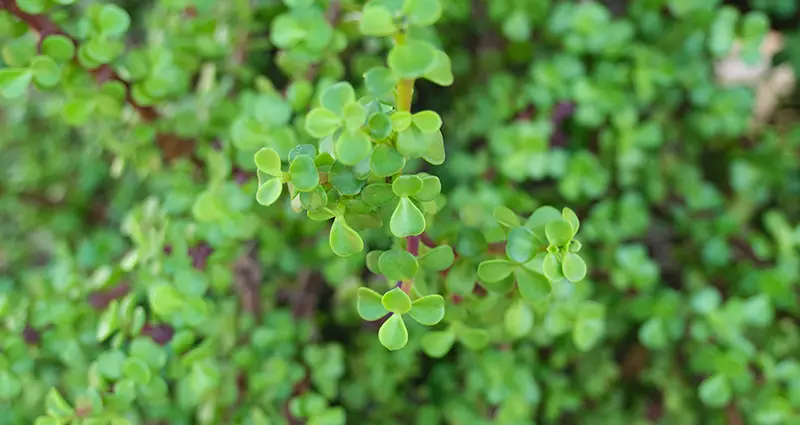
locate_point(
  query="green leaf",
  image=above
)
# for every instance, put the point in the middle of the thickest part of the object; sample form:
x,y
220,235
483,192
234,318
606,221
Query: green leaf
x,y
369,304
303,172
355,116
315,200
715,391
269,192
440,71
59,47
386,161
137,370
411,60
518,320
539,220
532,286
344,241
153,354
10,387
422,12
268,161
46,71
506,218
337,96
437,344
653,334
373,261
34,7
113,20
571,218
573,267
491,271
321,122
109,322
431,188
286,31
589,325
353,147
46,420
396,301
438,259
379,126
428,310
435,153
552,268
376,21
379,80
559,232
396,264
407,219
427,121
411,143
14,82
343,179
57,407
393,333
407,185
461,278
377,194
521,245
164,300
473,338
401,120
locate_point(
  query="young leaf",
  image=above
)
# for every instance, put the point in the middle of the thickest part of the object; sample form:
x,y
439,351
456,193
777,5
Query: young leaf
x,y
269,192
431,188
437,344
396,301
337,96
411,143
506,218
268,161
407,219
428,310
385,161
396,264
521,245
369,304
352,147
422,12
393,333
552,268
559,232
344,241
407,185
473,338
427,121
572,218
14,82
574,267
376,21
440,72
491,271
304,173
539,220
354,116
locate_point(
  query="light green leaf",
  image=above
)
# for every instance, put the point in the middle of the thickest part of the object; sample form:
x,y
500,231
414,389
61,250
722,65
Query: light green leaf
x,y
521,245
407,219
573,267
491,271
304,174
506,218
411,143
532,286
344,241
589,325
473,338
427,121
379,80
269,192
422,12
353,147
428,310
518,320
386,161
113,20
715,391
14,82
440,71
396,301
376,21
437,344
431,188
268,161
57,407
539,220
407,185
438,259
393,333
552,268
559,232
369,304
397,264
337,96
321,122
571,218
411,60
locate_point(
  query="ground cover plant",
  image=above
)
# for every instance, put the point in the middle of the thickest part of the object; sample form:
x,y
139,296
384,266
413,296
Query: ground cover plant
x,y
334,212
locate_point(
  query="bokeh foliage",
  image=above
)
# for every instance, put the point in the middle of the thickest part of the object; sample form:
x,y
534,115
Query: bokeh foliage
x,y
142,281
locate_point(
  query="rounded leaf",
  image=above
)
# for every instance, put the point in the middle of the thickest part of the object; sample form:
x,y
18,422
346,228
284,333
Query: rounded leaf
x,y
428,310
427,121
440,72
14,82
539,220
393,333
431,188
369,305
438,259
396,301
376,21
379,126
321,122
411,60
379,80
46,71
518,319
303,172
353,147
505,217
269,192
411,143
401,120
337,96
137,370
559,232
491,271
268,161
532,286
113,20
552,268
473,338
422,12
396,264
521,245
573,267
715,391
354,116
571,218
343,239
407,219
377,194
434,154
407,185
386,161
437,344
59,47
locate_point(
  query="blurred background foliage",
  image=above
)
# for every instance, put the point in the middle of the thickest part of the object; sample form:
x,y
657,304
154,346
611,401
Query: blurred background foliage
x,y
672,128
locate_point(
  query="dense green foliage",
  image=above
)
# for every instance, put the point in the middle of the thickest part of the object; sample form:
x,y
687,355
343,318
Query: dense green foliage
x,y
425,212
